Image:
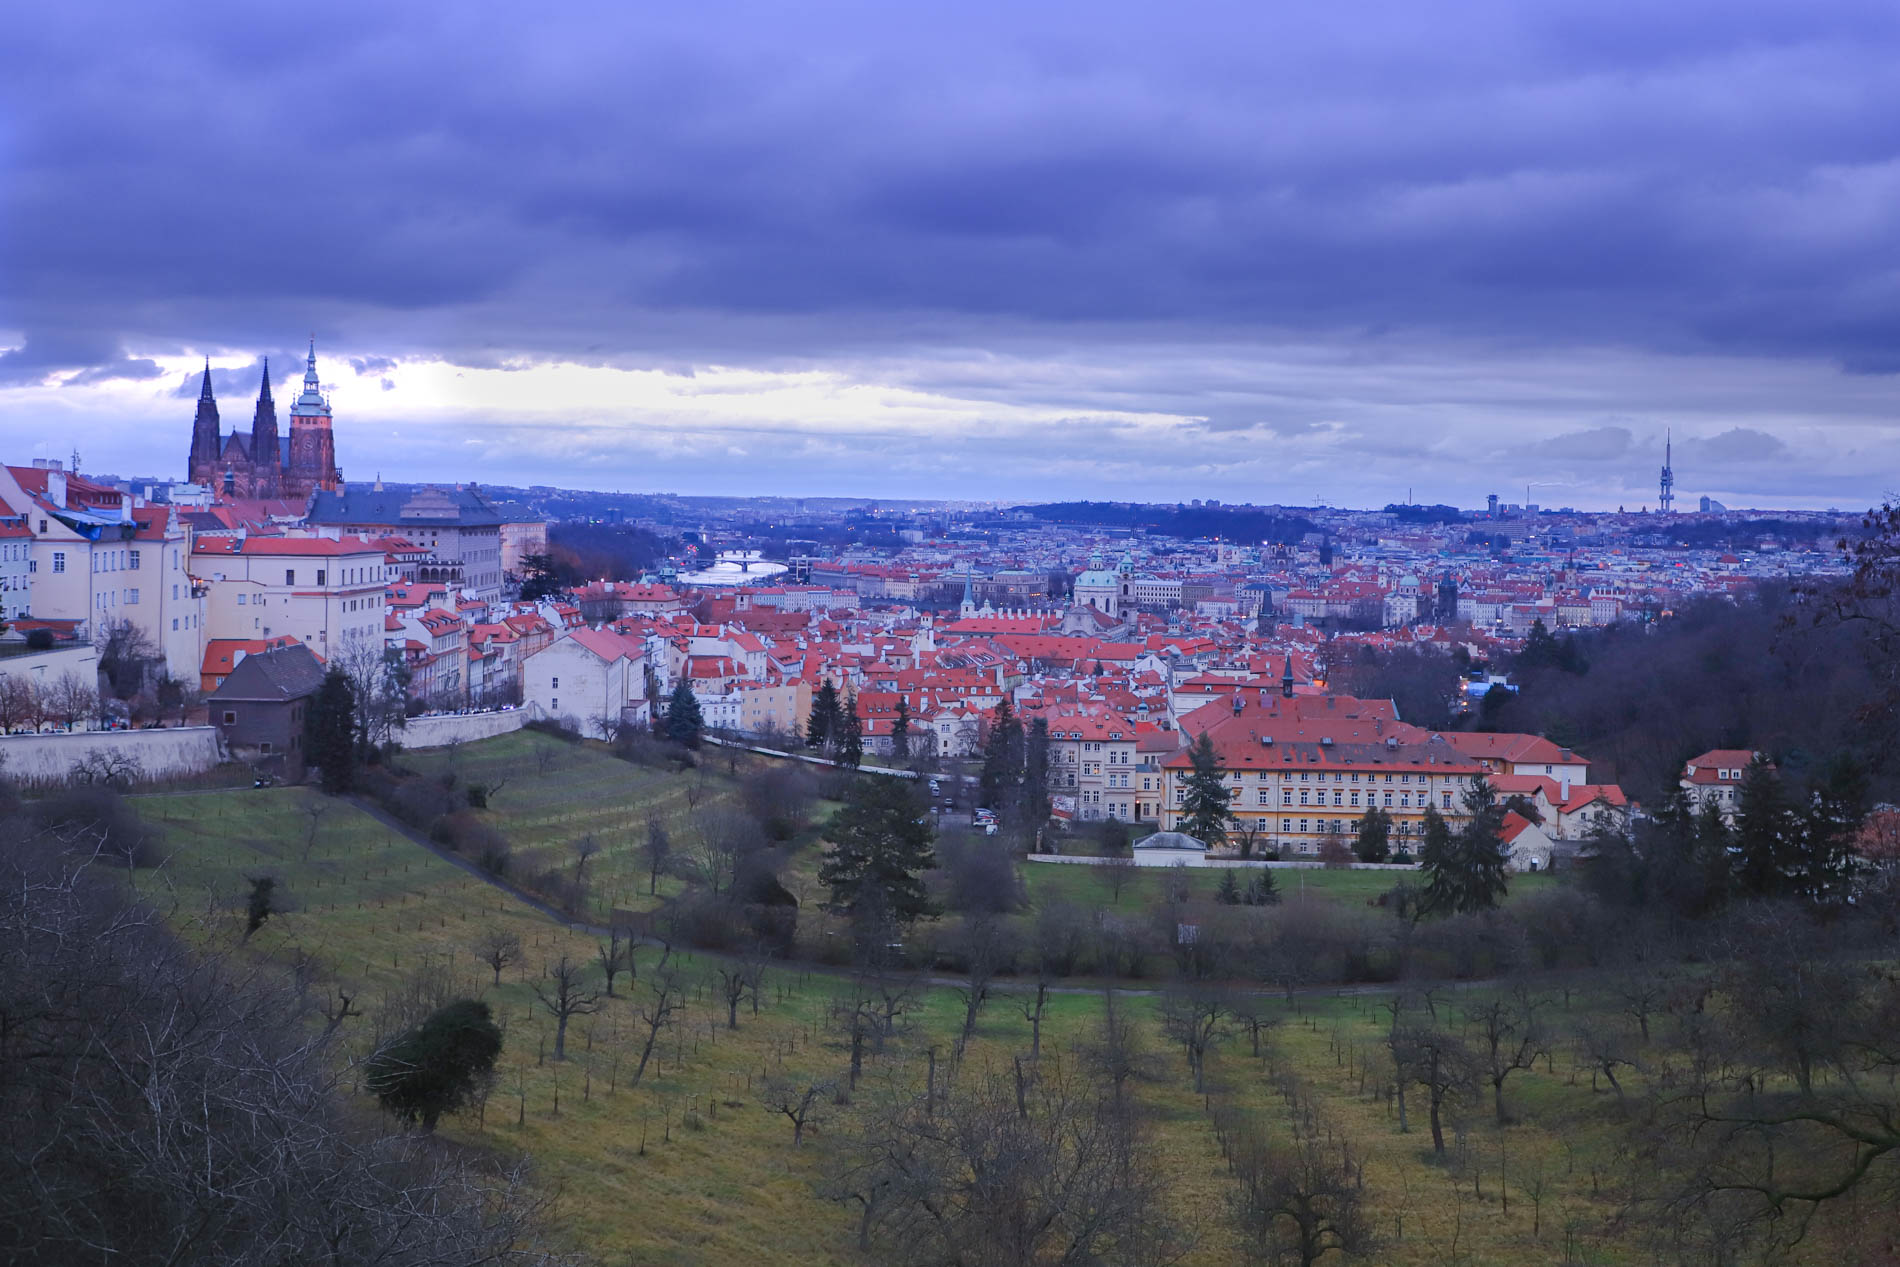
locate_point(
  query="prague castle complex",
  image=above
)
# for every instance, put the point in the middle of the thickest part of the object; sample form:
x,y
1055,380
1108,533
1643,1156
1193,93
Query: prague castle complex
x,y
260,463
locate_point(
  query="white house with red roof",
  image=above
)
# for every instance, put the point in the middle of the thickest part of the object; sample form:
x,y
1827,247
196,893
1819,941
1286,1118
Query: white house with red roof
x,y
1716,777
594,679
1527,846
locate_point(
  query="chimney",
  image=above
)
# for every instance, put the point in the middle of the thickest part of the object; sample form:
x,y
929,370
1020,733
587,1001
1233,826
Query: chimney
x,y
55,485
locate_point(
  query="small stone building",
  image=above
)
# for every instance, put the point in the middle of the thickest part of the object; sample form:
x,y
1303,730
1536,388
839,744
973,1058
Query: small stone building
x,y
260,707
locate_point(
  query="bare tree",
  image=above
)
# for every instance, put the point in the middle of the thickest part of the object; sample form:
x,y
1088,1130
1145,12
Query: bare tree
x,y
16,702
1302,1198
314,809
1441,1063
615,955
1195,1015
70,700
498,948
1117,872
1001,1170
734,983
1513,1039
800,1101
984,949
722,836
658,852
659,1009
563,993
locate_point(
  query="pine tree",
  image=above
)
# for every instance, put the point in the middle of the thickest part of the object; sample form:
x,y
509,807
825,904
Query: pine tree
x,y
850,734
1765,833
330,731
1205,807
821,730
1003,758
1036,775
683,720
881,847
1830,821
1465,871
1263,889
1228,894
900,731
1437,857
1373,841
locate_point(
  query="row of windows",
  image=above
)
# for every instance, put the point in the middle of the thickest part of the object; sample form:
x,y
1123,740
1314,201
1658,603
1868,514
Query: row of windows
x,y
1264,797
1308,776
106,561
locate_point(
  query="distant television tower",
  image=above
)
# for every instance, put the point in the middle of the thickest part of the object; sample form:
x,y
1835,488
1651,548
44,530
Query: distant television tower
x,y
1666,500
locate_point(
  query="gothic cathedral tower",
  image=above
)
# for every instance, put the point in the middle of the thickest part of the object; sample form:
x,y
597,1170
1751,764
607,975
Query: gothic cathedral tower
x,y
312,445
265,451
205,438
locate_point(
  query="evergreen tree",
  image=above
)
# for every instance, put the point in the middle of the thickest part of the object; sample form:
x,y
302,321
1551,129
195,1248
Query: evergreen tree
x,y
1036,775
900,731
1228,894
1482,858
1206,806
1263,889
330,731
683,719
1373,841
881,847
437,1067
850,734
1832,818
1437,858
821,730
1003,758
1766,833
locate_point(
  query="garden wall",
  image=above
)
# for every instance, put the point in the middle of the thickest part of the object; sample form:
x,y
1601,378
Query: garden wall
x,y
161,754
442,729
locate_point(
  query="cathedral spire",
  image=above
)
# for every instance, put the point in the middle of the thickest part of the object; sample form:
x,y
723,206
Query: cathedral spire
x,y
204,384
263,395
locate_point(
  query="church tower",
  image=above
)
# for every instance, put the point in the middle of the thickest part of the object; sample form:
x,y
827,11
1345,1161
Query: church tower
x,y
266,457
202,466
312,444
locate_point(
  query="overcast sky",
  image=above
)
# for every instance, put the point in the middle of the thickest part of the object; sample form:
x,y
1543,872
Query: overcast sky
x,y
1262,252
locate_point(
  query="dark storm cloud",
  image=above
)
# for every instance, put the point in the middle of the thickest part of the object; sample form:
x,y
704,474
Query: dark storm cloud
x,y
781,186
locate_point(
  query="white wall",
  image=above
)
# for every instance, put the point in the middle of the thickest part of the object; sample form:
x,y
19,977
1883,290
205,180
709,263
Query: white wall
x,y
436,732
160,753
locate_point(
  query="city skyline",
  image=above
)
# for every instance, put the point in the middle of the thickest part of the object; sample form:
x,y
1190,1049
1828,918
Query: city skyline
x,y
1005,256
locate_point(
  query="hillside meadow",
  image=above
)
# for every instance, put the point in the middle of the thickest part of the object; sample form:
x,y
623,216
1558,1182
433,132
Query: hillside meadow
x,y
692,1167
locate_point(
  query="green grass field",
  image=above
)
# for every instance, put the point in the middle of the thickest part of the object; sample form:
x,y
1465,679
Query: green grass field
x,y
690,1168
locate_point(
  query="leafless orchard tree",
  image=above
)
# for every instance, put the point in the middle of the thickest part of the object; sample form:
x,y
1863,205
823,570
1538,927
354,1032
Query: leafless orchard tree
x,y
1300,1195
984,948
658,852
1117,872
498,948
563,992
1774,1108
1006,1171
659,1008
1195,1015
1513,1037
615,955
314,810
1439,1062
800,1101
